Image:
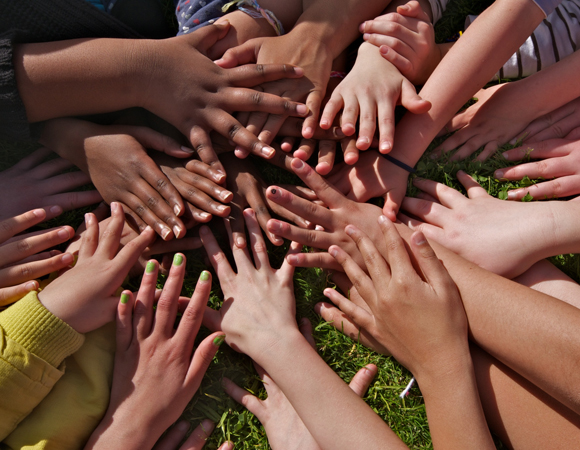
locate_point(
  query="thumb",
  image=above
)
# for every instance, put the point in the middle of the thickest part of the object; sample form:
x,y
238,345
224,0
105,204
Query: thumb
x,y
411,100
247,53
204,38
413,9
154,140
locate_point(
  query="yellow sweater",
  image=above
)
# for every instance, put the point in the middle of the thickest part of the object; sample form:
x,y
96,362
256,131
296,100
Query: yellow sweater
x,y
36,347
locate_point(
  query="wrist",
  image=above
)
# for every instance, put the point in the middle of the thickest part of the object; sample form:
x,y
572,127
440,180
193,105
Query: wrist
x,y
442,372
268,348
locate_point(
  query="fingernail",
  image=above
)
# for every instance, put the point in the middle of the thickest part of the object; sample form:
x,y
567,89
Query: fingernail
x,y
31,285
512,195
221,208
63,233
165,232
204,215
207,426
219,340
176,231
204,230
267,151
324,123
419,238
362,140
178,259
349,230
385,145
333,252
382,219
114,207
275,226
56,210
204,276
219,177
183,426
308,132
177,210
302,110
67,258
150,267
240,242
88,219
187,149
229,446
505,155
39,212
298,164
384,49
124,298
226,196
498,174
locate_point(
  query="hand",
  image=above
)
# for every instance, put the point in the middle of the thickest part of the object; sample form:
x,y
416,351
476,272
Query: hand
x,y
284,428
311,56
196,96
84,297
198,185
249,190
24,257
372,176
560,165
555,125
422,322
196,440
150,354
499,116
407,40
33,183
371,89
496,235
259,306
340,213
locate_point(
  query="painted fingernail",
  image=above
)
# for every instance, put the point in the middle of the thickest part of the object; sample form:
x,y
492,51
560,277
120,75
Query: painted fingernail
x,y
267,151
382,219
177,210
31,285
302,110
165,232
498,174
178,259
124,298
63,233
187,149
219,340
204,276
150,267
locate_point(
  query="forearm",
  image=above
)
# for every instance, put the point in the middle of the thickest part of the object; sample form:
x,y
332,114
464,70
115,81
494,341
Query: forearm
x,y
80,76
534,334
467,67
456,418
334,415
335,23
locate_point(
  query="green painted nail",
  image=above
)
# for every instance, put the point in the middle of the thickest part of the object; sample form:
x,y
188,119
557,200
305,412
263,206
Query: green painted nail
x,y
204,276
178,260
219,340
124,298
150,267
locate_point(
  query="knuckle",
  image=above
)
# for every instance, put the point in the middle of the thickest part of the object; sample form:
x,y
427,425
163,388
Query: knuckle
x,y
261,69
161,184
25,271
22,246
152,202
233,130
257,98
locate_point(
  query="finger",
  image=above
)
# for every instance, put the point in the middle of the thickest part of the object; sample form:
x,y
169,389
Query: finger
x,y
358,316
387,51
151,139
256,122
445,195
287,143
363,379
208,36
489,149
411,100
195,190
244,398
140,214
427,211
166,311
326,155
64,182
130,253
69,201
258,203
241,255
256,240
324,191
395,251
202,358
367,123
431,231
386,115
546,169
143,309
561,187
174,436
125,321
202,145
50,168
240,99
552,148
271,128
12,293
199,436
250,75
304,208
311,238
349,151
286,271
90,239
305,328
13,275
14,225
215,254
470,146
24,246
433,270
237,221
473,188
109,241
332,108
200,168
316,259
34,159
193,314
313,103
305,150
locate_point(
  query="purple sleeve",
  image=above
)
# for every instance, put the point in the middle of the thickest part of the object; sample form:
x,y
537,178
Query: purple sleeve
x,y
548,6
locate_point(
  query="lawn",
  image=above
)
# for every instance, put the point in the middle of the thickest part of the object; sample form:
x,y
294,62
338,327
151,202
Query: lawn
x,y
406,417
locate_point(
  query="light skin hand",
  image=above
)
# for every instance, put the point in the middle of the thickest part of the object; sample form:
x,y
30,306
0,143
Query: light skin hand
x,y
84,297
407,40
202,96
151,353
24,256
560,165
484,230
284,428
499,116
557,124
196,440
36,183
371,90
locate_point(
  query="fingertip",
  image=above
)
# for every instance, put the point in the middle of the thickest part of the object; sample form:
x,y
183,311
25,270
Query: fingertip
x,y
67,259
418,239
323,168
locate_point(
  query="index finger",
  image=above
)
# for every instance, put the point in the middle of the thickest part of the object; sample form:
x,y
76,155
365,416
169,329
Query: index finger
x,y
394,250
14,225
324,191
250,75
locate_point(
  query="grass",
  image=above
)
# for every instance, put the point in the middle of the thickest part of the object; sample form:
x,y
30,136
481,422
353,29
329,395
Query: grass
x,y
406,417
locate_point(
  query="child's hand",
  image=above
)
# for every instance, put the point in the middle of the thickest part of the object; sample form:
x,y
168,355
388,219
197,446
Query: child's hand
x,y
499,236
556,124
152,354
84,297
196,440
560,165
259,305
284,428
33,183
202,96
407,40
23,257
500,115
371,90
422,323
